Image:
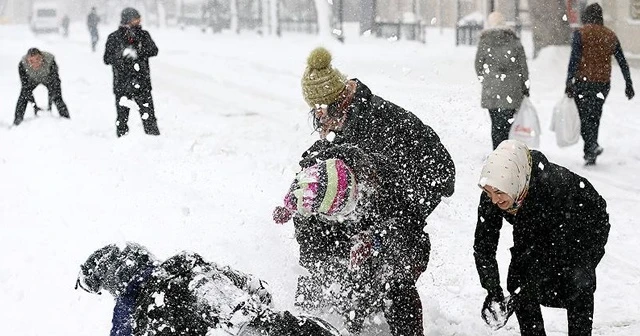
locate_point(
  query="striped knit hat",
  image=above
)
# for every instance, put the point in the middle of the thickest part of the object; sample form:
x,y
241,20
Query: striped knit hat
x,y
327,188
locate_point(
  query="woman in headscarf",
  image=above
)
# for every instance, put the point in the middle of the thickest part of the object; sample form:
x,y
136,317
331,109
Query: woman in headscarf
x,y
560,227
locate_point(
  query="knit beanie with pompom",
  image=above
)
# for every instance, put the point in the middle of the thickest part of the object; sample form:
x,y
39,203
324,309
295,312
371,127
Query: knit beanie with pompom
x,y
321,83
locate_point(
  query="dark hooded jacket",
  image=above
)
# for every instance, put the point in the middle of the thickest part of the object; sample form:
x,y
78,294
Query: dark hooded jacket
x,y
376,125
131,76
186,296
559,234
501,63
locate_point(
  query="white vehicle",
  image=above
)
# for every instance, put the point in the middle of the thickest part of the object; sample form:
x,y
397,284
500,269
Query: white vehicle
x,y
45,17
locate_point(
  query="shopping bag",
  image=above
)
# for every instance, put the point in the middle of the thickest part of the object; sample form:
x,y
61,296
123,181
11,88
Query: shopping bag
x,y
565,122
526,126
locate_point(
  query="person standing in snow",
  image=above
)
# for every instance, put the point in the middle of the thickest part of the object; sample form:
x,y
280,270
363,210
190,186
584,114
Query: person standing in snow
x,y
128,50
38,67
560,228
501,66
349,111
92,23
65,25
589,75
358,229
186,295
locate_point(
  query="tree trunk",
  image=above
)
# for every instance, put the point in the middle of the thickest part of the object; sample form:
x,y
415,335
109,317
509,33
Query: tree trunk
x,y
550,25
323,9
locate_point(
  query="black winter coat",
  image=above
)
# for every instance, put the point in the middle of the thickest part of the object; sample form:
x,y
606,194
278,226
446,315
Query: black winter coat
x,y
188,296
559,234
130,76
387,212
378,126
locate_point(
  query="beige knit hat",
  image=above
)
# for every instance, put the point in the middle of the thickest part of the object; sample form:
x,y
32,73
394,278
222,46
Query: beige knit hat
x,y
496,20
321,83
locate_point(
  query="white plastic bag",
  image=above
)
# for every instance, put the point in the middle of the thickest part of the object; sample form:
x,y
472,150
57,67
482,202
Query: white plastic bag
x,y
526,126
566,122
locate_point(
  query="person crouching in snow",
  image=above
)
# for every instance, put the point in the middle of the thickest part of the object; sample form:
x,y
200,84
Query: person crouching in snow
x,y
187,296
39,67
560,227
358,232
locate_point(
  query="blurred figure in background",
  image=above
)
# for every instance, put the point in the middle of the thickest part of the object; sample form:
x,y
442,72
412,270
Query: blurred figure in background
x,y
128,50
501,66
65,25
38,67
589,75
92,23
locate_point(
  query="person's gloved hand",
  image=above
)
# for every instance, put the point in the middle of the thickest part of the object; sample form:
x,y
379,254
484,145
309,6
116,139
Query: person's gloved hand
x,y
281,215
496,310
309,156
364,246
130,52
628,91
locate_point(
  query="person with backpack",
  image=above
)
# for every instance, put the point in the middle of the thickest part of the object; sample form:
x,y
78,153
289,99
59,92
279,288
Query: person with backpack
x,y
186,295
358,231
589,75
128,50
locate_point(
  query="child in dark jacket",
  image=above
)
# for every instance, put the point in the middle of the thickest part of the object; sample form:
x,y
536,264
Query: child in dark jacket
x,y
187,296
359,232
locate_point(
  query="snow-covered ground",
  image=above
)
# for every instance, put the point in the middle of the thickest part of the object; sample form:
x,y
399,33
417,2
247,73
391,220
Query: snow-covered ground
x,y
233,124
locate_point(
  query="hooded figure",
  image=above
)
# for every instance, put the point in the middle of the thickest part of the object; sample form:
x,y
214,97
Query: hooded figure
x,y
128,50
186,296
501,67
589,75
358,231
348,109
560,227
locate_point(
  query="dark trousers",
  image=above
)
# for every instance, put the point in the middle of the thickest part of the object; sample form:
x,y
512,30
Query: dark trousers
x,y
590,98
500,125
404,315
26,96
147,113
579,315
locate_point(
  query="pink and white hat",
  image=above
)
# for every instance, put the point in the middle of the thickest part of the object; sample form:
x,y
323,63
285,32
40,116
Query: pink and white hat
x,y
327,188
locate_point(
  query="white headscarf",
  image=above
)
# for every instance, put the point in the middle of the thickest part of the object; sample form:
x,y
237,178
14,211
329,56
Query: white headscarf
x,y
508,168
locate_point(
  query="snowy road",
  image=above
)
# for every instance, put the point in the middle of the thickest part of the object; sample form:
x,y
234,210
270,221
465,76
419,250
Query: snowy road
x,y
233,123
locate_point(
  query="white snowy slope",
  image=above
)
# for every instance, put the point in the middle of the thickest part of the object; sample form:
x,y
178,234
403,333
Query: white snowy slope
x,y
233,124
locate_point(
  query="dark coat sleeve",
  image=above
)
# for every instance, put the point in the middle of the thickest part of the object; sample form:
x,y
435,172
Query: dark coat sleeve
x,y
24,78
622,61
574,59
54,75
148,47
485,245
112,51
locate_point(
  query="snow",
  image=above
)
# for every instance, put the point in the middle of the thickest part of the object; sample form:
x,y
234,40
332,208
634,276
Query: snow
x,y
233,125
